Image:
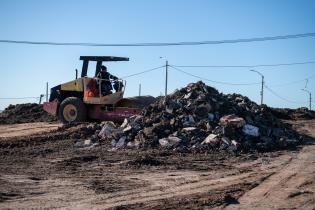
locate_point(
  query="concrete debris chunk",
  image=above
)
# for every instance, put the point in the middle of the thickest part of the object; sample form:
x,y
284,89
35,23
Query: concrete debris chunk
x,y
169,110
232,120
121,142
107,130
163,142
148,131
226,140
251,130
211,139
210,116
169,141
113,142
189,121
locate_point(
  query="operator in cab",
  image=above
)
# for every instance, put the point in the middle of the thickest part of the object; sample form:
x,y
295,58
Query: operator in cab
x,y
106,85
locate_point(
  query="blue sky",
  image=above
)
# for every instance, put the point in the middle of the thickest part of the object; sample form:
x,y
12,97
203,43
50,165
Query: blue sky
x,y
26,68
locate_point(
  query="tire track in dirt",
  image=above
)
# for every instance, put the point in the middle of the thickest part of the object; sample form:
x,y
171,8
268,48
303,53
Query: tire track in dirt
x,y
185,184
59,193
145,195
162,185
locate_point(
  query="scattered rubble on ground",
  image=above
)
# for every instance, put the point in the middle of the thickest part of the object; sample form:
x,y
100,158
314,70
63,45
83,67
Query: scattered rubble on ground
x,y
198,118
25,113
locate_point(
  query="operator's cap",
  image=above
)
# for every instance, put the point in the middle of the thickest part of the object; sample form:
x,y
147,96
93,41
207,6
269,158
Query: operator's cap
x,y
104,68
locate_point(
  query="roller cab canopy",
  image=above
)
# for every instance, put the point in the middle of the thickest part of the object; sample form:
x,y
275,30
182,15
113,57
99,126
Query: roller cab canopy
x,y
99,60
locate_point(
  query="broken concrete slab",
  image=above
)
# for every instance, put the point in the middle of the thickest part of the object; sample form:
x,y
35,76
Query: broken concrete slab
x,y
251,130
211,139
233,120
169,141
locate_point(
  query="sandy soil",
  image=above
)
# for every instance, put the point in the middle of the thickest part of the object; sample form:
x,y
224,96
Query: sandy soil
x,y
47,171
26,129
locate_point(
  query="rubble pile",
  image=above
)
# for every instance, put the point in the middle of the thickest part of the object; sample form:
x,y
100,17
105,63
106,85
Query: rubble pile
x,y
198,118
302,113
25,113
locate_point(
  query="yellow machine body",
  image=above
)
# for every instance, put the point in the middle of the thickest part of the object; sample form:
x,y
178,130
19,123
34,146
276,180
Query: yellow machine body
x,y
81,85
75,85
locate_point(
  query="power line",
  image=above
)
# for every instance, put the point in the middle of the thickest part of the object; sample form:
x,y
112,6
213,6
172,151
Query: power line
x,y
245,66
228,41
142,72
269,89
284,99
293,82
218,82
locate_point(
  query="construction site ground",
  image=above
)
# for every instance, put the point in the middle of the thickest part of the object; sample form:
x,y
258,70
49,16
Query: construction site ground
x,y
38,170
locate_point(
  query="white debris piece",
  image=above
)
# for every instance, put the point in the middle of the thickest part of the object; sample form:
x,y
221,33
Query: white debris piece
x,y
128,128
169,141
187,96
130,144
163,142
189,129
87,142
124,124
211,139
235,143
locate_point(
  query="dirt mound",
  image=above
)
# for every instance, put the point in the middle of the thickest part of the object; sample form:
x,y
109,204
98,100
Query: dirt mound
x,y
294,114
140,101
198,118
25,113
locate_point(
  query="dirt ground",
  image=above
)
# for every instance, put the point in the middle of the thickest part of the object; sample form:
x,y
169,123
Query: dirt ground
x,y
25,129
46,170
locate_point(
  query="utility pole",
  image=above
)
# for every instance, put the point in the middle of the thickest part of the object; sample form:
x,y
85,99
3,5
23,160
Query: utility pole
x,y
262,86
140,89
166,77
310,101
40,98
262,89
46,91
310,94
